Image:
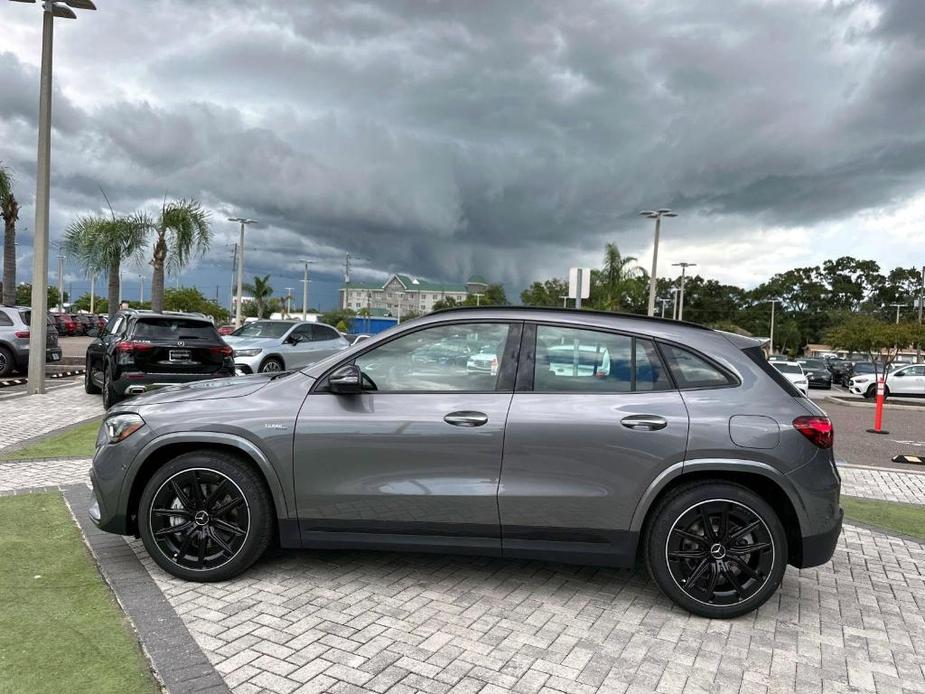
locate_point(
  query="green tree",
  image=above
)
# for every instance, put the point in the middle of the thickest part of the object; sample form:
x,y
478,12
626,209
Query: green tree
x,y
24,295
102,244
615,278
439,304
261,292
191,299
547,293
901,286
100,305
879,340
850,281
337,316
494,296
181,232
9,210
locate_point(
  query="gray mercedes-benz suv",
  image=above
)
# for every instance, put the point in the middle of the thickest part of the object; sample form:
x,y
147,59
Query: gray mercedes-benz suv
x,y
589,437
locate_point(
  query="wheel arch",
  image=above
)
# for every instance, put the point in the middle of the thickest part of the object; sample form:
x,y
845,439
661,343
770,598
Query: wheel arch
x,y
164,449
759,478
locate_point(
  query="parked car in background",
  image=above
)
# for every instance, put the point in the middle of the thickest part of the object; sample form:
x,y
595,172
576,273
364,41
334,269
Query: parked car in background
x,y
85,322
691,453
817,373
280,345
226,330
840,370
794,373
902,379
140,351
65,324
15,331
354,338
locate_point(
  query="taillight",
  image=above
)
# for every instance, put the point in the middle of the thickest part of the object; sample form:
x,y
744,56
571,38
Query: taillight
x,y
224,350
129,346
22,334
819,430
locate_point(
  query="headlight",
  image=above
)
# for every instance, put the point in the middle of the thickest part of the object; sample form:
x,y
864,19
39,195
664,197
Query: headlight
x,y
860,379
247,352
119,427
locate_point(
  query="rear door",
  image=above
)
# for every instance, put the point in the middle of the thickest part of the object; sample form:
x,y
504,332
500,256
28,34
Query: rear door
x,y
909,380
168,345
594,420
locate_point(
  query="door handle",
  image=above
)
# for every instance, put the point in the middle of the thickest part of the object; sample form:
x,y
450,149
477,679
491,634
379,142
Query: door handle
x,y
466,418
644,422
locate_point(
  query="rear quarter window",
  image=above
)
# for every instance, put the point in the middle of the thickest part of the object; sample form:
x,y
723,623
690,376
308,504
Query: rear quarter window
x,y
692,370
757,356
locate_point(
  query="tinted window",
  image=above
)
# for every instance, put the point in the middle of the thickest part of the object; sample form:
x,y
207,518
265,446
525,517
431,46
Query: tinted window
x,y
444,358
864,367
263,328
578,360
173,329
693,371
323,332
817,364
787,368
5,319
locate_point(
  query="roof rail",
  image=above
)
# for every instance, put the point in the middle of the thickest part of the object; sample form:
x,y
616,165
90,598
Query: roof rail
x,y
576,311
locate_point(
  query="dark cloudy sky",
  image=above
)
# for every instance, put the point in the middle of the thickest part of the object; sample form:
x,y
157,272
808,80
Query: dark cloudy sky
x,y
512,139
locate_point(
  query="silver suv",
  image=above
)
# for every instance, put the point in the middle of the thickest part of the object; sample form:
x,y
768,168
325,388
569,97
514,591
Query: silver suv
x,y
279,345
14,340
587,437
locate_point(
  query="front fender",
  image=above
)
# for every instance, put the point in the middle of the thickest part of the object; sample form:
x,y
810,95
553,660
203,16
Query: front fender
x,y
699,466
269,472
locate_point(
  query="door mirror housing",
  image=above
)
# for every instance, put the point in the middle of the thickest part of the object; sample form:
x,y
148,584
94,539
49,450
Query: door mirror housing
x,y
346,380
899,373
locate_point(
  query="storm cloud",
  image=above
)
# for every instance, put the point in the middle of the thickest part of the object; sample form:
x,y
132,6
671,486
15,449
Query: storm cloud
x,y
510,139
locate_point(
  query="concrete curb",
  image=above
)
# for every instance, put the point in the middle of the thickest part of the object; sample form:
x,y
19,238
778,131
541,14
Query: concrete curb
x,y
7,382
177,659
870,405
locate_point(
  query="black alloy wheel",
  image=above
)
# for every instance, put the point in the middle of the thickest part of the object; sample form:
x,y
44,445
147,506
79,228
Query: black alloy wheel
x,y
206,516
716,548
720,552
89,386
199,519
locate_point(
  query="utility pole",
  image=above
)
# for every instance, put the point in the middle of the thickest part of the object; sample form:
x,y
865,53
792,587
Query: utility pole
x,y
674,305
92,293
60,283
305,284
141,289
401,296
288,301
653,279
918,348
244,222
771,348
234,274
683,267
664,301
897,307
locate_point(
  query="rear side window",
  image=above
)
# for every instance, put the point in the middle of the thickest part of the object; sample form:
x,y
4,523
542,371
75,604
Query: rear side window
x,y
693,371
576,360
323,332
757,356
5,319
173,329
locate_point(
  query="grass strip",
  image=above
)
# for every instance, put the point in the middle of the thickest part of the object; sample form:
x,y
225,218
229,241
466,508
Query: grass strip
x,y
906,519
76,442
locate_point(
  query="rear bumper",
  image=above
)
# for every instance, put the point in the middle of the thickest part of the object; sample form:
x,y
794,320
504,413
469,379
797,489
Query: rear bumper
x,y
818,549
52,356
136,382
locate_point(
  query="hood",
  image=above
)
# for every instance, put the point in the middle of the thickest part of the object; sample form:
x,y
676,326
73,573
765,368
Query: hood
x,y
214,389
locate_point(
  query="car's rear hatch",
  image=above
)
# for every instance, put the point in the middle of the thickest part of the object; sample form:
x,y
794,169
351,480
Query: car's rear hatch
x,y
177,345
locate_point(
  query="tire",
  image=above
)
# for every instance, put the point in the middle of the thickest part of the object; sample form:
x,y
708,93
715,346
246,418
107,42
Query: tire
x,y
203,547
674,554
7,363
110,396
871,392
271,365
89,386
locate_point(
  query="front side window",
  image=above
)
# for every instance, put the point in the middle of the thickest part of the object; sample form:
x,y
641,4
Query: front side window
x,y
459,358
579,360
692,371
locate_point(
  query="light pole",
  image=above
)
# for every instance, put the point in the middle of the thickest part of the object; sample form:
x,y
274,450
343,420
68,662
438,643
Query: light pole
x,y
401,296
92,293
683,267
653,279
918,348
237,309
141,290
663,301
773,303
674,306
288,301
38,332
897,307
305,288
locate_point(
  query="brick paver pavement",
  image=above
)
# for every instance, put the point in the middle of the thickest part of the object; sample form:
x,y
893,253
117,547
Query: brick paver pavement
x,y
888,485
43,473
25,417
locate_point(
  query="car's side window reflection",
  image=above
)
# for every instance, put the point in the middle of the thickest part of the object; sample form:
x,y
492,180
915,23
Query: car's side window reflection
x,y
463,357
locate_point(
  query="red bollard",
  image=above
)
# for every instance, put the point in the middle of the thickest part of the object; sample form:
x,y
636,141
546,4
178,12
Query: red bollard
x,y
878,410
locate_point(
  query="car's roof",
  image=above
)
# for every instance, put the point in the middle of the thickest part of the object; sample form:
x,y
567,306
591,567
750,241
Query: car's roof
x,y
561,312
786,363
144,313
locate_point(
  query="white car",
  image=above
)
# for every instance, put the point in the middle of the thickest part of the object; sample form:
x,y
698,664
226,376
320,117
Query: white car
x,y
793,372
903,379
278,345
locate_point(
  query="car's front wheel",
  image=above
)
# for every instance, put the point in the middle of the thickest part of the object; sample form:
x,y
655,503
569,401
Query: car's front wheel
x,y
715,548
205,516
271,365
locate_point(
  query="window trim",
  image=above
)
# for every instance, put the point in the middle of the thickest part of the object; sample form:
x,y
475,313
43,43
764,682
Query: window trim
x,y
526,375
506,374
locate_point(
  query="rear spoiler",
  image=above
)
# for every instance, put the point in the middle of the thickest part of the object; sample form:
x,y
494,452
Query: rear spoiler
x,y
743,342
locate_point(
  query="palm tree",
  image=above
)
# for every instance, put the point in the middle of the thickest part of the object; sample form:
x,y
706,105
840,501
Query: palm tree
x,y
261,292
101,244
9,209
181,231
616,272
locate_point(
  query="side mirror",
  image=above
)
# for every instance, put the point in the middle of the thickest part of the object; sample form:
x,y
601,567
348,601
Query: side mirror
x,y
899,373
93,332
346,380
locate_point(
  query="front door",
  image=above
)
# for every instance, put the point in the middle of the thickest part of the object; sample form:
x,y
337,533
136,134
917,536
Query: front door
x,y
594,420
415,459
909,380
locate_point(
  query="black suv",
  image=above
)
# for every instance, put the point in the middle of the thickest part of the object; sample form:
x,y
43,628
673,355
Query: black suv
x,y
139,351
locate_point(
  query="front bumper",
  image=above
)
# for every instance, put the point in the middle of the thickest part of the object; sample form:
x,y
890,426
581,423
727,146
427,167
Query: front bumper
x,y
248,365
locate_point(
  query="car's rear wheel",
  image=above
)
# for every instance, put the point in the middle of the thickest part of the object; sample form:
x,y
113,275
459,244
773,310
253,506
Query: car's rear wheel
x,y
716,548
89,385
7,364
271,365
205,516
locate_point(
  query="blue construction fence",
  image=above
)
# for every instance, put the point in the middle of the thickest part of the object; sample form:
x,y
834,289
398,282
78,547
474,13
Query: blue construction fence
x,y
372,325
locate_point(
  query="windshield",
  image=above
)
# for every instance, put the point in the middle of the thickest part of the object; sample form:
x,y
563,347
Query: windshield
x,y
812,363
173,329
864,367
788,368
263,328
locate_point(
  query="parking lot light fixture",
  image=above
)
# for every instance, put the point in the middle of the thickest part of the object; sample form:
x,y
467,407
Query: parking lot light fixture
x,y
653,278
237,311
683,266
38,334
305,290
